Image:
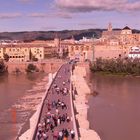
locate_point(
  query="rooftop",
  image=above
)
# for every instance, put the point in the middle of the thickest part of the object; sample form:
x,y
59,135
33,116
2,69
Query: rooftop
x,y
126,28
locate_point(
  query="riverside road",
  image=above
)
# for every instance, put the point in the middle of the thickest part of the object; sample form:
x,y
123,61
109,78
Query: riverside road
x,y
55,121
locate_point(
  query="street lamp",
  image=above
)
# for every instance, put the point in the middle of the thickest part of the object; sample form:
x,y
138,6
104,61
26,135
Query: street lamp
x,y
51,69
51,66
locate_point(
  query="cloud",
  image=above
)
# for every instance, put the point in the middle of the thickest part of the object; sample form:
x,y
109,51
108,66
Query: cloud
x,y
25,1
51,15
63,15
9,15
37,15
87,24
49,28
97,5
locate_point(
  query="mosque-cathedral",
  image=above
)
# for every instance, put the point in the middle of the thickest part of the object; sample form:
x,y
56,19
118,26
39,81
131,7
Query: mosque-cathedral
x,y
117,43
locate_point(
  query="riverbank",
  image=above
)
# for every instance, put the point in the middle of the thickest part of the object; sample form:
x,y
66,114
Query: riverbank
x,y
82,90
47,66
117,66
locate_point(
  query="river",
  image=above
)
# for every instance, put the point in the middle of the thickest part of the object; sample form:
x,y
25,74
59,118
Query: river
x,y
114,113
17,102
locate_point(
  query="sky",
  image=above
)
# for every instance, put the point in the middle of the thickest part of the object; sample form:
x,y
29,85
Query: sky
x,y
46,15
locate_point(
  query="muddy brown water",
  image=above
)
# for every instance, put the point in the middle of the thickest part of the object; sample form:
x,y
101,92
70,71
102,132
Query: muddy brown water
x,y
12,89
115,112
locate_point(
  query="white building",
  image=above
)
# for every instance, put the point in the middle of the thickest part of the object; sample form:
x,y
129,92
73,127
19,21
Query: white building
x,y
134,52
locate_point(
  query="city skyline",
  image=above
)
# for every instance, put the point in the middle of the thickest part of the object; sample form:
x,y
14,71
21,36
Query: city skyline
x,y
42,15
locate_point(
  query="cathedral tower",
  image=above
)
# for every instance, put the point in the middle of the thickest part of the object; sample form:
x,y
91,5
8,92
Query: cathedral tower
x,y
109,27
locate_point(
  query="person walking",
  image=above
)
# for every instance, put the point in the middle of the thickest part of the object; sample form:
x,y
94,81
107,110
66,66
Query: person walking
x,y
72,133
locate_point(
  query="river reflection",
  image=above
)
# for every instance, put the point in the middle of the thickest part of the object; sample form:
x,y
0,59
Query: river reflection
x,y
115,113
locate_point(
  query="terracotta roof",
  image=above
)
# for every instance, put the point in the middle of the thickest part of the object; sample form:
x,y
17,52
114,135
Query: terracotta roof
x,y
126,28
134,52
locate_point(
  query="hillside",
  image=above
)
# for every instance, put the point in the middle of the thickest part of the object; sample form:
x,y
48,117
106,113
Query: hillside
x,y
48,35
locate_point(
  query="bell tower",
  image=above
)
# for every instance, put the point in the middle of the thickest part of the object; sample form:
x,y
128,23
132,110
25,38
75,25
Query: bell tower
x,y
56,41
58,45
110,27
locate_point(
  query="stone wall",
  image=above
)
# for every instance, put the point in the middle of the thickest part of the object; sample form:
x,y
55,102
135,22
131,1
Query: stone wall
x,y
82,90
46,66
108,51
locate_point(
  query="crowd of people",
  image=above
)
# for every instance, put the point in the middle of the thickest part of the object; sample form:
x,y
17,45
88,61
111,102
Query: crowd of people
x,y
56,122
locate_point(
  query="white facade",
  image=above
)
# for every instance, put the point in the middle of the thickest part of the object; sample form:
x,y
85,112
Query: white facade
x,y
38,52
18,54
134,52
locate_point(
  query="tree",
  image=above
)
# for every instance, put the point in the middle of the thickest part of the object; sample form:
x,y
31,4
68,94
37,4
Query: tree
x,y
3,68
34,58
30,55
65,53
118,66
6,57
31,68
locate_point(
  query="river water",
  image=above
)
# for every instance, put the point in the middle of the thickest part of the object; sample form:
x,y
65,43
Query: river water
x,y
115,112
17,102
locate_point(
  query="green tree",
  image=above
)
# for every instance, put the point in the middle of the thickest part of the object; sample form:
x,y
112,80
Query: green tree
x,y
3,68
124,66
34,58
30,55
6,57
31,68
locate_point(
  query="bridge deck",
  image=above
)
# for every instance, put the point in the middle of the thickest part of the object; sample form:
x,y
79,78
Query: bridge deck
x,y
63,75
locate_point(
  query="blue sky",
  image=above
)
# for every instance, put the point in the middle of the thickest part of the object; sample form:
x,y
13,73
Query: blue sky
x,y
44,15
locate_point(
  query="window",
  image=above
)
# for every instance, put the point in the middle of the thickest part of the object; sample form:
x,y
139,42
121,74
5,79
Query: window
x,y
72,48
82,48
87,48
76,48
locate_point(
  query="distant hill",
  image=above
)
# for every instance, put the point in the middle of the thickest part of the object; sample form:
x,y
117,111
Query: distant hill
x,y
49,35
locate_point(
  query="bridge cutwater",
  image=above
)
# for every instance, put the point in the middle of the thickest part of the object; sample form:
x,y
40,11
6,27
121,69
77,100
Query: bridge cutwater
x,y
56,120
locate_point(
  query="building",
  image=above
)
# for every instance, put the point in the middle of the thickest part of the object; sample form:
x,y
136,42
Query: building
x,y
22,52
115,43
17,53
81,51
134,52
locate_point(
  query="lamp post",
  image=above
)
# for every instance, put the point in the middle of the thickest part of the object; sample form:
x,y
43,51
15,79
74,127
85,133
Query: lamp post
x,y
51,69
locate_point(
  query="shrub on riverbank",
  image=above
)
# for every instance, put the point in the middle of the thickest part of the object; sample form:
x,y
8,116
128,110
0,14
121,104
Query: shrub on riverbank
x,y
32,68
3,67
117,66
